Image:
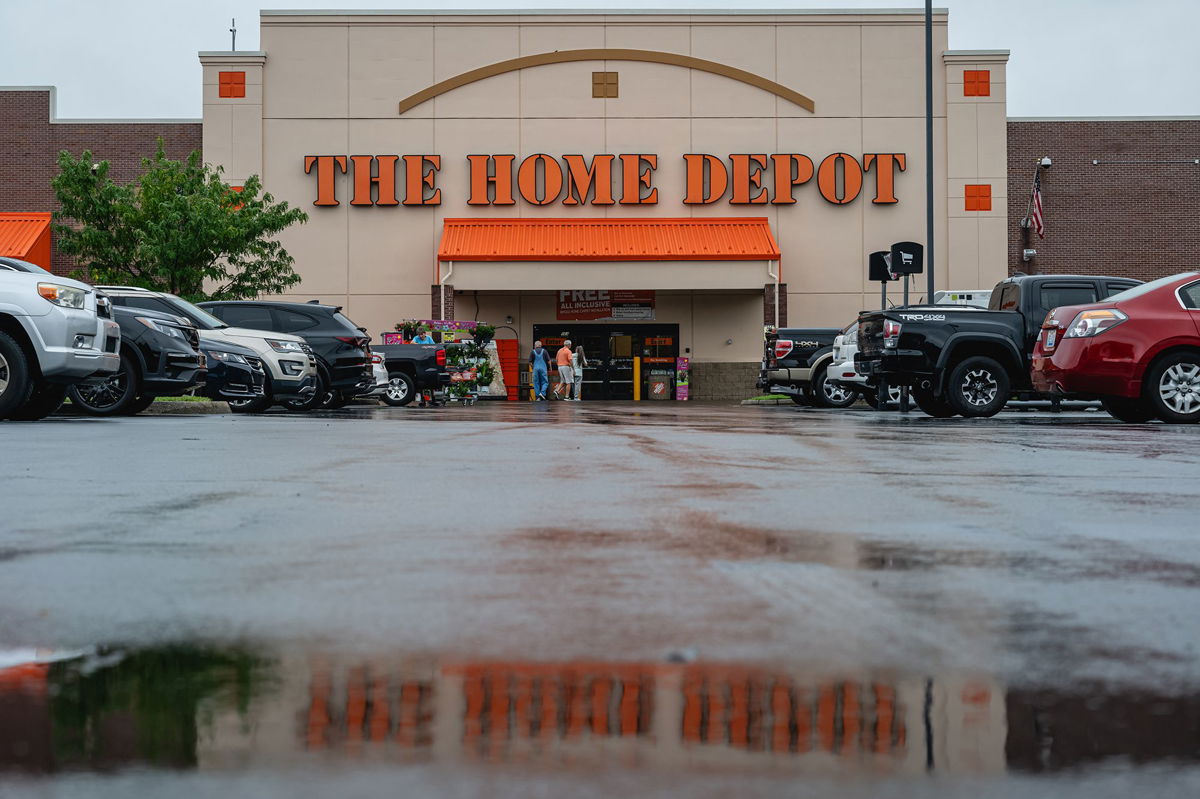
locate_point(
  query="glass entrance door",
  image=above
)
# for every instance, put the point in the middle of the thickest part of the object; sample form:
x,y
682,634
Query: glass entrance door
x,y
610,350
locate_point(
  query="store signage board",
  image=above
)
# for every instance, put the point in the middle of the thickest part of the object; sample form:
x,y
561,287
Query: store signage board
x,y
606,306
606,179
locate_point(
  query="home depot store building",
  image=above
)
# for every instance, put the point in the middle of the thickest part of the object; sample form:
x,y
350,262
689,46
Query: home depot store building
x,y
644,183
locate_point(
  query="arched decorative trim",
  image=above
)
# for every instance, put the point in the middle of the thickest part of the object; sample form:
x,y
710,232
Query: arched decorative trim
x,y
606,54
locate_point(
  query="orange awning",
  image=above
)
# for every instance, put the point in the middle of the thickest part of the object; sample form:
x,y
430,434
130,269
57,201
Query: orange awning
x,y
26,236
689,239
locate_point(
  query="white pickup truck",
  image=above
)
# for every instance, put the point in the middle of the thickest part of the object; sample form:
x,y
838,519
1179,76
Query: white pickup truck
x,y
54,332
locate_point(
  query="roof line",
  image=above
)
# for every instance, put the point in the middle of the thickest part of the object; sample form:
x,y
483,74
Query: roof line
x,y
56,120
603,12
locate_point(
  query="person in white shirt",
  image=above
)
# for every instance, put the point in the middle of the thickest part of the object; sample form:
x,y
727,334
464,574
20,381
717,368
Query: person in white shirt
x,y
579,362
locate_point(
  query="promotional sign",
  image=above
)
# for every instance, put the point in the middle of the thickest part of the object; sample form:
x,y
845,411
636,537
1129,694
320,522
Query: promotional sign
x,y
606,306
682,381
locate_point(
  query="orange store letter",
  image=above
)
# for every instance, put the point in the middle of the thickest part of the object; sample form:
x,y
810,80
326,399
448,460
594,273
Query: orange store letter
x,y
852,178
581,179
384,177
746,177
325,164
707,179
885,165
541,191
491,169
418,178
634,177
791,169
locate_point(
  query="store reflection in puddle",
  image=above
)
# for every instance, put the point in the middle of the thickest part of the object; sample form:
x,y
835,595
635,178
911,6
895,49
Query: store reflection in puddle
x,y
231,708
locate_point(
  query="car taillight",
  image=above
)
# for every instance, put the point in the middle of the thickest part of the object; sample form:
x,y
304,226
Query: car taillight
x,y
783,347
441,357
891,334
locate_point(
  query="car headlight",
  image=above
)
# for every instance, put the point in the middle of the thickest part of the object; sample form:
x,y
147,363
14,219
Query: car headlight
x,y
162,327
64,296
1092,323
226,357
285,346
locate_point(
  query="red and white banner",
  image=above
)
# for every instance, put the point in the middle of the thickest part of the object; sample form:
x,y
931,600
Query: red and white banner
x,y
596,306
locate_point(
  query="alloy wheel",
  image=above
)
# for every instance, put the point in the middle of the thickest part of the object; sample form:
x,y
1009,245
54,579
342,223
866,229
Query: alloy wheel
x,y
107,393
979,387
3,374
1179,388
835,393
397,389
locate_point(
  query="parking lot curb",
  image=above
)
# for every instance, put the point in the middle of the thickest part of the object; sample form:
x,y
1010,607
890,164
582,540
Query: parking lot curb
x,y
166,408
784,401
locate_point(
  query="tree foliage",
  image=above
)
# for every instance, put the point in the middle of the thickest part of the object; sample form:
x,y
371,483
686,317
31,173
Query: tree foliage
x,y
178,228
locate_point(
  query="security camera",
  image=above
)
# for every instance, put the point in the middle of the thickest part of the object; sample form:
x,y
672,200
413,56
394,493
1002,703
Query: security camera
x,y
1045,162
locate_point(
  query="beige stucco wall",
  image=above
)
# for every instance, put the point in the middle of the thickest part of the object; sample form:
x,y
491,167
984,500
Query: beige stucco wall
x,y
330,84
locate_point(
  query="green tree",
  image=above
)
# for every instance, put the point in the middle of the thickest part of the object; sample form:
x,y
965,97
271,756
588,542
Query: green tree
x,y
178,228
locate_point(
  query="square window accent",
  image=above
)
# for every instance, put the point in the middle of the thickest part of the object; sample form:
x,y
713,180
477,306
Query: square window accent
x,y
231,84
604,84
978,197
977,83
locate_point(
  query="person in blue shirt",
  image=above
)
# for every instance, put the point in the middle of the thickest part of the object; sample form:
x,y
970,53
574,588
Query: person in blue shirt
x,y
539,359
423,338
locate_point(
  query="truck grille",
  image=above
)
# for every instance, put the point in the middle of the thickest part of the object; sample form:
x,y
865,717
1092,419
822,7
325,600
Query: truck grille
x,y
255,363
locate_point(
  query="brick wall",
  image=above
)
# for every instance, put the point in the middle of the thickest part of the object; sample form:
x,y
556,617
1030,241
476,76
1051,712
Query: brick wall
x,y
1137,220
30,143
723,381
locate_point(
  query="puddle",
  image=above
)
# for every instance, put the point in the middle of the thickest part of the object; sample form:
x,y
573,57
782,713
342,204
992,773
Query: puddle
x,y
223,709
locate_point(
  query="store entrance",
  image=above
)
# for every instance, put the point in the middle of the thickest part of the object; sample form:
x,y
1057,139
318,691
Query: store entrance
x,y
611,349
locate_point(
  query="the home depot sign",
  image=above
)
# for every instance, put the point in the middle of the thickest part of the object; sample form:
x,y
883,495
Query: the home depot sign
x,y
606,179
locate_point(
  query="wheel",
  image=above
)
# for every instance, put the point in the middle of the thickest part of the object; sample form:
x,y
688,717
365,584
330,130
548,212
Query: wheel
x,y
871,396
1172,388
799,399
310,403
43,401
15,382
112,396
1128,409
978,386
255,405
826,394
401,390
140,404
936,407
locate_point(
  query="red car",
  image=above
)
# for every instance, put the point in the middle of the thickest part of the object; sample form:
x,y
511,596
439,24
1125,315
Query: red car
x,y
1137,351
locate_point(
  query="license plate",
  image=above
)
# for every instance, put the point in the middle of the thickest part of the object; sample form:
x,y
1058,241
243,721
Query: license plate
x,y
1051,337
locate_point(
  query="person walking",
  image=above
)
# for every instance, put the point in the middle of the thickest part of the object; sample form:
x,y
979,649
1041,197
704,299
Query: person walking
x,y
579,362
539,359
566,378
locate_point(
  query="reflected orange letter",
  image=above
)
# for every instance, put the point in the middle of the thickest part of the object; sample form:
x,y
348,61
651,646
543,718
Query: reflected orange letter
x,y
791,169
581,179
634,177
495,169
886,165
326,188
852,178
705,172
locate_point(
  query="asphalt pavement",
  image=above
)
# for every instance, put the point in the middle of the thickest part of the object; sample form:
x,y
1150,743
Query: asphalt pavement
x,y
597,599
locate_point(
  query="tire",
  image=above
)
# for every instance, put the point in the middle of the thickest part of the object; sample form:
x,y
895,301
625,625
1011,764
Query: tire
x,y
401,390
256,405
800,399
827,395
936,407
141,403
1128,409
310,403
16,383
978,387
871,397
43,401
335,400
114,395
1172,388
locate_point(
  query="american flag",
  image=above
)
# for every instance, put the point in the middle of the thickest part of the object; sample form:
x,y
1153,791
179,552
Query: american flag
x,y
1036,216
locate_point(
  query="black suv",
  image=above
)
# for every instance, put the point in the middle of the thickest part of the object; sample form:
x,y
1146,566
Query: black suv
x,y
234,373
160,356
343,351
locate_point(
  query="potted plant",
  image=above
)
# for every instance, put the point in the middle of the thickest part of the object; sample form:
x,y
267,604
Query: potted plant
x,y
483,333
410,328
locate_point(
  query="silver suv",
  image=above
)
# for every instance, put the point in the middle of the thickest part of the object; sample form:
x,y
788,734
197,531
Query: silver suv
x,y
54,332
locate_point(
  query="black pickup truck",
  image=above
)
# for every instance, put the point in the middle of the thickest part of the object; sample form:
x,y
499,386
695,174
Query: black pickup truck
x,y
969,361
412,369
795,362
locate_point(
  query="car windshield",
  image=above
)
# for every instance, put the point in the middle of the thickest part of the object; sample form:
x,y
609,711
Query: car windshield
x,y
1146,288
202,318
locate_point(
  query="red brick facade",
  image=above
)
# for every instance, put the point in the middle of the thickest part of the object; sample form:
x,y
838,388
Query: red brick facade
x,y
1139,218
30,141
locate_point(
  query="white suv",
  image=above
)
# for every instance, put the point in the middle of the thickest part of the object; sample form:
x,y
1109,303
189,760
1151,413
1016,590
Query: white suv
x,y
289,362
54,332
841,371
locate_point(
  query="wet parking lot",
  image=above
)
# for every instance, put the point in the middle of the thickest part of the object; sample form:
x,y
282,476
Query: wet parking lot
x,y
561,600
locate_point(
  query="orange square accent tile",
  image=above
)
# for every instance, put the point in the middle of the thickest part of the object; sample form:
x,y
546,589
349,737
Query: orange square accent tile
x,y
978,197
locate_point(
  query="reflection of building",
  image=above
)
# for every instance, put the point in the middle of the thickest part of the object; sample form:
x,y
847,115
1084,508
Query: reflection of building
x,y
721,716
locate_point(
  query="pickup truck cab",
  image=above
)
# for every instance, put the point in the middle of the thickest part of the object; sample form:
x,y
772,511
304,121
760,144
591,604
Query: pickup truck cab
x,y
965,360
54,333
796,363
412,369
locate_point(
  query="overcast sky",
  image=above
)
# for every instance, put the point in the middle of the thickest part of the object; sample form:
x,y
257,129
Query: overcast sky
x,y
137,58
